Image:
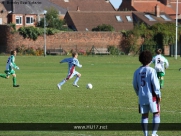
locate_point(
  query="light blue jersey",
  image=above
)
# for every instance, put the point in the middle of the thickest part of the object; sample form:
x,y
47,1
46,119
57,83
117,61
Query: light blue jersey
x,y
72,63
146,85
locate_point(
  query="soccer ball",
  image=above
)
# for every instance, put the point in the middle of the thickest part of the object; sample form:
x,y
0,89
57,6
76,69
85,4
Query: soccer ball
x,y
89,86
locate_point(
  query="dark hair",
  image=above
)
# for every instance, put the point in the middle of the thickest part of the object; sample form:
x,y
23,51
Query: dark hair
x,y
74,53
12,52
158,51
145,57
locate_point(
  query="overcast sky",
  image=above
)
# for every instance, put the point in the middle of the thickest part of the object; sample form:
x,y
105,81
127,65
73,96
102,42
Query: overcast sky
x,y
116,3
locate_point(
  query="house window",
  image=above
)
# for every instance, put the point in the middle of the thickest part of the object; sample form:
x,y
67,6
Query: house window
x,y
118,18
66,0
165,18
29,20
18,20
150,17
129,18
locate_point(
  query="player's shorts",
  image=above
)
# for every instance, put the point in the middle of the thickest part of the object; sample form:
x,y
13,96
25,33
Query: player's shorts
x,y
9,72
160,74
152,107
70,75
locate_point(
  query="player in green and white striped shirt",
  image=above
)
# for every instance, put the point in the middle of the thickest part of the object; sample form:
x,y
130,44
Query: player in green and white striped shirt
x,y
10,66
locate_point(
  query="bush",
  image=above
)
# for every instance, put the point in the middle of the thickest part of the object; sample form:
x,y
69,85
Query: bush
x,y
39,52
103,27
30,32
33,32
51,31
22,50
113,50
13,27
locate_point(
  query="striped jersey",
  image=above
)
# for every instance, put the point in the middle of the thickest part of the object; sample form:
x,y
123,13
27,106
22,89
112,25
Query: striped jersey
x,y
146,85
11,63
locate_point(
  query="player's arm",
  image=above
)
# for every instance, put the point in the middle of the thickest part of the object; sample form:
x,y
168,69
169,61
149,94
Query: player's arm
x,y
12,64
152,62
166,63
76,62
156,85
65,60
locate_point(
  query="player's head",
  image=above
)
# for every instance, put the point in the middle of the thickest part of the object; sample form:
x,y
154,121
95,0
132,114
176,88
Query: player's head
x,y
158,51
74,54
145,57
13,52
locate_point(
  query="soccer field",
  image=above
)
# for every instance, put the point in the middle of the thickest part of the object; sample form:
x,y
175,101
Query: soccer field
x,y
112,99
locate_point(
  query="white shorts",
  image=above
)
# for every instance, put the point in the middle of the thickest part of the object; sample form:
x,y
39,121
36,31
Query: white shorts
x,y
152,107
70,75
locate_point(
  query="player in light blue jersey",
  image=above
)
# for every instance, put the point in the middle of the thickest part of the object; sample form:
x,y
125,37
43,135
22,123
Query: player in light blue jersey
x,y
72,63
147,88
10,66
161,63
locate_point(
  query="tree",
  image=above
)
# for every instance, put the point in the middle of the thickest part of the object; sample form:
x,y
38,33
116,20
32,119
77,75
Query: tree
x,y
158,35
52,19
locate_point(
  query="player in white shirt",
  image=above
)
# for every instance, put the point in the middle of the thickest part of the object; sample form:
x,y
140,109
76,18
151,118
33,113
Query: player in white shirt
x,y
147,88
161,63
10,66
72,63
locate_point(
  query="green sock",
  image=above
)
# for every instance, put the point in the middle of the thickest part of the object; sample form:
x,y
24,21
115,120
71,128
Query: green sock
x,y
3,75
14,80
161,83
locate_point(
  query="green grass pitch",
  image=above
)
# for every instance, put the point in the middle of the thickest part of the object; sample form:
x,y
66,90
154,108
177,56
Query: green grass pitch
x,y
112,99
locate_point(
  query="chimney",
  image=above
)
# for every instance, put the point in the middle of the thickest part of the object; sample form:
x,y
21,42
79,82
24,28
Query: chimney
x,y
157,10
165,2
132,2
78,9
168,3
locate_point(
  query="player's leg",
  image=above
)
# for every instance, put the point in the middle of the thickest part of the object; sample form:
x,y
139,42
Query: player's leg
x,y
161,82
5,75
14,80
155,109
161,79
78,75
69,76
156,122
158,75
12,72
61,83
144,110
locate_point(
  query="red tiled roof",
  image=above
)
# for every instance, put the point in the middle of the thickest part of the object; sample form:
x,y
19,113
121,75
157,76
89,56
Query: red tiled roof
x,y
85,5
173,6
142,18
87,19
145,6
150,7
